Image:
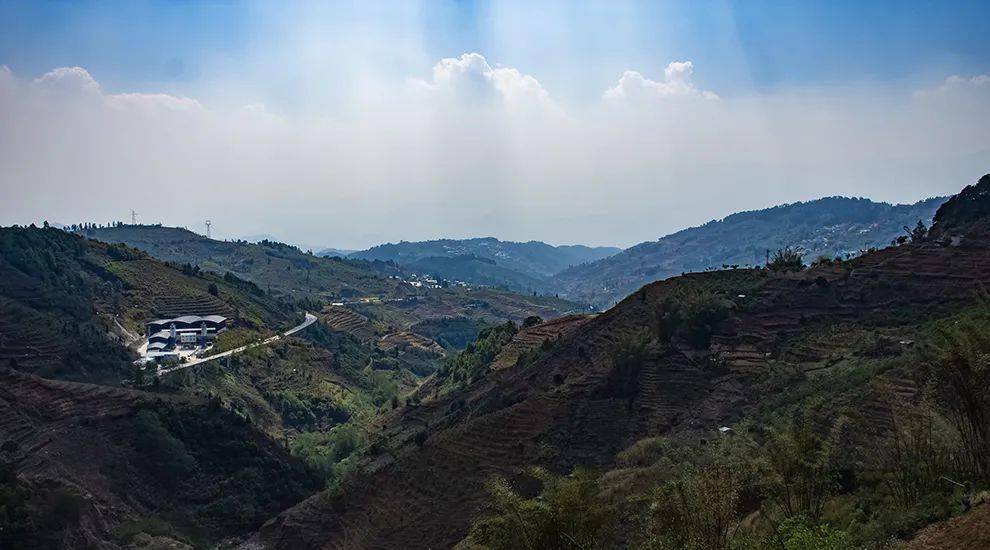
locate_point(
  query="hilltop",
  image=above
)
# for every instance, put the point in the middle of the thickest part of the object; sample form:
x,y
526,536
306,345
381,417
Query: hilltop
x,y
818,372
273,266
832,227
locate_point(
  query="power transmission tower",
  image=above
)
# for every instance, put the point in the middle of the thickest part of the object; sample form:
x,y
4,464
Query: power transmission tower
x,y
133,217
208,224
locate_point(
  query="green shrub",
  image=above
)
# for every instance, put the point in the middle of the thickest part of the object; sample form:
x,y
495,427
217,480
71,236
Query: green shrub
x,y
786,259
569,513
166,455
332,453
697,510
798,533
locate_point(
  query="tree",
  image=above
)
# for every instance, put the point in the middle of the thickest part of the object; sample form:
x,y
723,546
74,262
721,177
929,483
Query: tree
x,y
919,233
803,478
693,314
532,320
213,289
960,360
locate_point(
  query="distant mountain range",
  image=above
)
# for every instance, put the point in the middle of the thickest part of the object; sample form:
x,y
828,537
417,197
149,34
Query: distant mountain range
x,y
335,252
324,251
832,226
600,276
487,261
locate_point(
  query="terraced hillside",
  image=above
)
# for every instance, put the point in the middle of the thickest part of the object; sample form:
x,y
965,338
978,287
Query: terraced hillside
x,y
537,336
342,319
69,305
833,226
677,359
273,266
482,305
94,466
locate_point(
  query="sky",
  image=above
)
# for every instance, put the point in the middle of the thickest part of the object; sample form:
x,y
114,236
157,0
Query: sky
x,y
604,123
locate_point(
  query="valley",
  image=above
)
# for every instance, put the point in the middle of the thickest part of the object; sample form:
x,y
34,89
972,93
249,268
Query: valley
x,y
396,406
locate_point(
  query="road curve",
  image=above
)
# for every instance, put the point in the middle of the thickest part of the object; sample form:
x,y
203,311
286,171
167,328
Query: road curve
x,y
310,319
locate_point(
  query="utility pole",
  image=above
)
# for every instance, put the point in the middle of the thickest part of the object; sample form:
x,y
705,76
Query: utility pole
x,y
133,217
208,224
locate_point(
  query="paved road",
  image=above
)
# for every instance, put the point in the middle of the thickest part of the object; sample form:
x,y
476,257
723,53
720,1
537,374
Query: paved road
x,y
310,319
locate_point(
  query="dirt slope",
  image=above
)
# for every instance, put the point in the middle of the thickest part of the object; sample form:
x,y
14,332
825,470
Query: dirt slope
x,y
970,531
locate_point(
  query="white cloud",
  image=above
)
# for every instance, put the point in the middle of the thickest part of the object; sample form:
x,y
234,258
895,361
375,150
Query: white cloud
x,y
401,167
75,83
633,86
956,84
470,78
153,102
68,80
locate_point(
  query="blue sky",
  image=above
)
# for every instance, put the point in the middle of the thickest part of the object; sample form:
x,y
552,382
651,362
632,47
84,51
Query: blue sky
x,y
575,48
599,123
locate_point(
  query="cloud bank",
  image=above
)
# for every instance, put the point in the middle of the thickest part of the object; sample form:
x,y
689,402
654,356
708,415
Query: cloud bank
x,y
477,148
676,83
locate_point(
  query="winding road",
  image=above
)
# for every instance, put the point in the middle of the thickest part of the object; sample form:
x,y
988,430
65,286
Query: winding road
x,y
310,319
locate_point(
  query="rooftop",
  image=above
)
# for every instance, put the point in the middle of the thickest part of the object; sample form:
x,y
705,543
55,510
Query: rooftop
x,y
191,319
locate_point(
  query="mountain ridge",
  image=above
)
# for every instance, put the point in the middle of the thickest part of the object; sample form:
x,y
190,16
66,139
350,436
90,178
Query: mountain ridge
x,y
832,226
